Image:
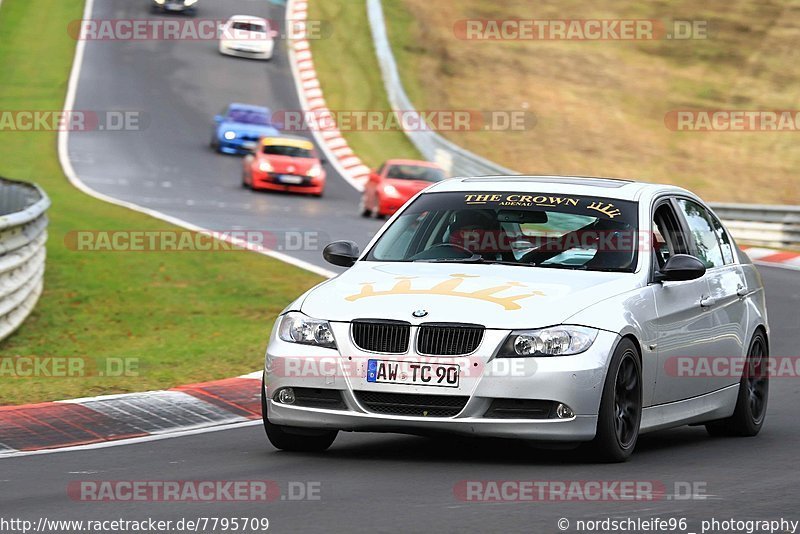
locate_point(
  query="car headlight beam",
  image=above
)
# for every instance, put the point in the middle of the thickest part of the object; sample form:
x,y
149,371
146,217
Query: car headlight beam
x,y
553,341
230,136
315,170
296,327
265,166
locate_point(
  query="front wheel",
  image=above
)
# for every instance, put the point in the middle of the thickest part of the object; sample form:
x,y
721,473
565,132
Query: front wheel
x,y
295,439
751,404
620,407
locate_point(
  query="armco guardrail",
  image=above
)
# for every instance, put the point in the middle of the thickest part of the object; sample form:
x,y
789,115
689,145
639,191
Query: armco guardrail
x,y
23,233
767,226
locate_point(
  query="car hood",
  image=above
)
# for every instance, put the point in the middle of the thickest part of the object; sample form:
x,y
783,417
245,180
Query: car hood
x,y
287,165
496,296
249,130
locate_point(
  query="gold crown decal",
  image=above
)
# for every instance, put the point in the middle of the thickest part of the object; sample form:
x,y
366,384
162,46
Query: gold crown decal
x,y
449,288
608,209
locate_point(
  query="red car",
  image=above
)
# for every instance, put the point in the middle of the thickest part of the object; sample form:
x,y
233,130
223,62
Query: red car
x,y
284,163
393,183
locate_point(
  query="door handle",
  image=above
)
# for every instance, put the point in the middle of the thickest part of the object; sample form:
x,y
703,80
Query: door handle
x,y
707,302
741,290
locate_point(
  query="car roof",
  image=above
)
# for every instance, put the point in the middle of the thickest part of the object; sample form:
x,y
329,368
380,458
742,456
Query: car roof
x,y
579,185
247,107
421,163
246,18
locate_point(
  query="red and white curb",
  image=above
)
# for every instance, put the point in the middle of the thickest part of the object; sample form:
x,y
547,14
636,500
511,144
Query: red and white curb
x,y
327,135
773,258
112,418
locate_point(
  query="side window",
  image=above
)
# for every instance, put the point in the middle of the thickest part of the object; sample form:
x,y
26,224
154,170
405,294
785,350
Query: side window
x,y
724,240
667,239
705,247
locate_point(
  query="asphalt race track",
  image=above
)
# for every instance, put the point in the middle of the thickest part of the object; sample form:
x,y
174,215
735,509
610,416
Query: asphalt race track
x,y
368,482
179,86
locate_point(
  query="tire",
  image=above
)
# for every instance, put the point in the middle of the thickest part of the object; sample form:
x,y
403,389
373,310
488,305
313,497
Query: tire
x,y
751,404
293,439
620,407
362,207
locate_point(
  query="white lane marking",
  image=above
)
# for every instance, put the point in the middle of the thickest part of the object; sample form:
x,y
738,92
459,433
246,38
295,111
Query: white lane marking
x,y
72,176
131,441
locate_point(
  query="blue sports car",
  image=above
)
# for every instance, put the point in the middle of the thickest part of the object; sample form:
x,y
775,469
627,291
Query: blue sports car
x,y
239,127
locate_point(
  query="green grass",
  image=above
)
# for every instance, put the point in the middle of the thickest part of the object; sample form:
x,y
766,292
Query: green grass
x,y
354,83
599,106
181,317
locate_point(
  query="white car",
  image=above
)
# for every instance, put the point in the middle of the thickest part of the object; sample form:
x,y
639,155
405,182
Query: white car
x,y
542,308
246,36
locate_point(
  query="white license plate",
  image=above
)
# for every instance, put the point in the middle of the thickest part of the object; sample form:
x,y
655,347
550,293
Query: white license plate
x,y
290,179
413,373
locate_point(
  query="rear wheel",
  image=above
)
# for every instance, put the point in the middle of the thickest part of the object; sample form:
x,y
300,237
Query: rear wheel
x,y
620,407
295,439
751,404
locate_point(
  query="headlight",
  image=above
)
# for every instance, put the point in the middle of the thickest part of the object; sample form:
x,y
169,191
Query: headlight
x,y
160,2
315,171
391,191
188,3
298,328
555,341
264,166
230,135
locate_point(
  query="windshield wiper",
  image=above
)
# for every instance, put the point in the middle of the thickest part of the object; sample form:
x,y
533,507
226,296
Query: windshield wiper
x,y
472,259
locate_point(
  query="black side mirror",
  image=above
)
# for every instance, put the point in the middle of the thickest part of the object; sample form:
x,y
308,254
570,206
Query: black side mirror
x,y
341,253
681,267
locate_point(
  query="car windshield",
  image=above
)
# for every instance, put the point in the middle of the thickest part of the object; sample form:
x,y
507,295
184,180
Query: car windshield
x,y
415,172
525,229
290,151
248,116
249,27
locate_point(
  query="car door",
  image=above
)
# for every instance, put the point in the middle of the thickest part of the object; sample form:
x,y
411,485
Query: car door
x,y
684,325
728,310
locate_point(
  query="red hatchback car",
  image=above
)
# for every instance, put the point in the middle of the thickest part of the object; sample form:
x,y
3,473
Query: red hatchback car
x,y
393,183
284,163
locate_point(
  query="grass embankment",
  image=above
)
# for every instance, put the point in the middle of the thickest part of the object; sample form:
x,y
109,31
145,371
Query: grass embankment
x,y
179,317
350,77
600,106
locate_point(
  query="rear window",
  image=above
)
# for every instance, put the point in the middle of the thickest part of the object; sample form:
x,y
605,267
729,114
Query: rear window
x,y
525,229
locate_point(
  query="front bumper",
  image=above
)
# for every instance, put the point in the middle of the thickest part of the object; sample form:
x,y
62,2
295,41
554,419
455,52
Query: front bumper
x,y
233,146
269,182
247,52
175,8
576,381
